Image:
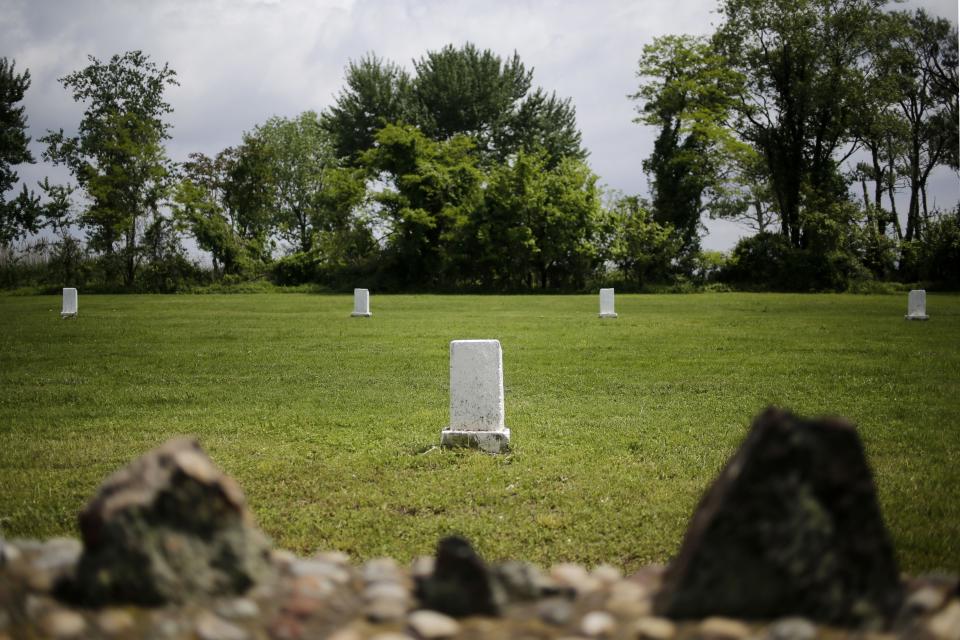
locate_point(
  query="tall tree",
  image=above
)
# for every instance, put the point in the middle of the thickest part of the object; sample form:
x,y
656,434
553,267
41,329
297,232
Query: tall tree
x,y
310,193
926,102
118,156
430,189
687,93
802,61
377,93
18,216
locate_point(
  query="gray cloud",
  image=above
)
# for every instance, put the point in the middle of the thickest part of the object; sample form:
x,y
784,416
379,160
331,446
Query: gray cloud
x,y
241,61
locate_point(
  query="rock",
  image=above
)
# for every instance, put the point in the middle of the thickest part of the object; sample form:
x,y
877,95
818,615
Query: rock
x,y
925,600
654,629
168,528
8,553
521,581
211,627
239,608
575,577
460,585
63,624
113,622
791,526
422,566
321,568
382,570
598,624
792,629
716,628
431,624
385,610
606,574
53,561
555,611
629,600
946,624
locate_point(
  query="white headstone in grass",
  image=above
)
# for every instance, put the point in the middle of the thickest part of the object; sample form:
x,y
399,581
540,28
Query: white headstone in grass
x,y
476,397
606,304
361,303
917,305
69,309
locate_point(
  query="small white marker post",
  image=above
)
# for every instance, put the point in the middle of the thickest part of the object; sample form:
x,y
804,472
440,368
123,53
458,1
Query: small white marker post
x,y
361,303
917,305
606,304
476,397
69,309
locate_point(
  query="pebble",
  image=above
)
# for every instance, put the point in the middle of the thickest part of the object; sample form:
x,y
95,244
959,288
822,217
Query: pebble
x,y
320,569
115,621
333,557
629,600
8,552
241,608
574,576
792,629
431,624
925,600
386,590
63,624
422,566
555,611
381,570
717,628
946,624
390,636
212,627
385,610
607,574
598,624
654,629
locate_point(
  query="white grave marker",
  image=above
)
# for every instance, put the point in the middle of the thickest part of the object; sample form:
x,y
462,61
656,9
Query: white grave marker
x,y
917,305
606,304
69,309
476,397
361,303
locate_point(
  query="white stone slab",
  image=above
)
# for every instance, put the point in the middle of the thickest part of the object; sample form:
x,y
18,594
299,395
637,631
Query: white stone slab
x,y
361,303
476,397
69,309
917,305
606,304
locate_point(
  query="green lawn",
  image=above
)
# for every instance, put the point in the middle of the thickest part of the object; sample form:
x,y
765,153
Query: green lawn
x,y
618,425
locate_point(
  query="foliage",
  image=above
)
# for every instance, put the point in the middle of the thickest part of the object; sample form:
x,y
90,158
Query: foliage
x,y
377,93
19,216
688,95
641,248
117,156
431,187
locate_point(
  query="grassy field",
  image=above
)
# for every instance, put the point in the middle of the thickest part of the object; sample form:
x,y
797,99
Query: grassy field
x,y
328,422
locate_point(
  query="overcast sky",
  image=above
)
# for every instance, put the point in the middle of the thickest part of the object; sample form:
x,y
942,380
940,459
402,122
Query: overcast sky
x,y
241,61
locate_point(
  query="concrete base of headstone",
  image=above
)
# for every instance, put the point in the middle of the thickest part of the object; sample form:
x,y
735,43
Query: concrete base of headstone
x,y
916,317
488,441
64,315
357,314
608,315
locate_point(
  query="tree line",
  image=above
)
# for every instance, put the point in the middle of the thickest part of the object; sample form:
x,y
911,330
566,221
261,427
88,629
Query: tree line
x,y
462,175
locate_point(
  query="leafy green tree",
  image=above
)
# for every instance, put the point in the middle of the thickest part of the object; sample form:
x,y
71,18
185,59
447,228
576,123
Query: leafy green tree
x,y
913,58
430,190
377,92
117,156
688,94
309,191
803,65
19,216
641,248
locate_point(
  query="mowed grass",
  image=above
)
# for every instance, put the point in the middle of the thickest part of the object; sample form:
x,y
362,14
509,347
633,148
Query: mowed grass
x,y
328,422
